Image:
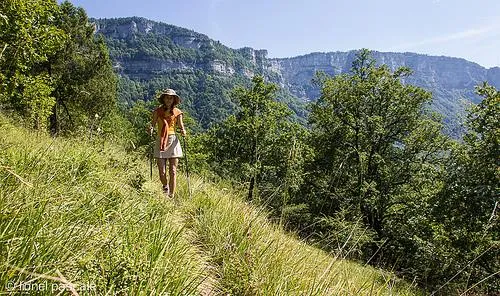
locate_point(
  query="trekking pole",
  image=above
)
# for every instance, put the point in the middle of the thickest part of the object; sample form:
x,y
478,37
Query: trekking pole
x,y
187,166
151,153
151,163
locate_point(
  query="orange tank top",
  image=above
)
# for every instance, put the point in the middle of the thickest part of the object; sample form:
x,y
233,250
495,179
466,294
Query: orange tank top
x,y
166,119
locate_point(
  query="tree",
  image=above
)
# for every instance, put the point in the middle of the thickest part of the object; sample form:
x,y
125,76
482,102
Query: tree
x,y
259,144
371,138
85,83
467,208
50,59
29,38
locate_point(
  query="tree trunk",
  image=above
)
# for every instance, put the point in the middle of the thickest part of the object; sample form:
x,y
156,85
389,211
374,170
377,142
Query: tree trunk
x,y
54,121
253,160
250,188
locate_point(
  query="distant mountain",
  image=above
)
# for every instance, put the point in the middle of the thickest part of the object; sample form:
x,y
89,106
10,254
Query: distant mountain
x,y
451,80
153,55
150,56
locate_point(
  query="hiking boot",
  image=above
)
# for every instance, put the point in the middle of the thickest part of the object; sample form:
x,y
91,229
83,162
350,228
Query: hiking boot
x,y
165,190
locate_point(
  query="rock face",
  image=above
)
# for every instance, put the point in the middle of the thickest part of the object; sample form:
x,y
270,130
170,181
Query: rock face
x,y
451,80
430,72
128,28
198,51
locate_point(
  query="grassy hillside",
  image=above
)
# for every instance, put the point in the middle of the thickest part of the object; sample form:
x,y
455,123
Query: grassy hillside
x,y
83,216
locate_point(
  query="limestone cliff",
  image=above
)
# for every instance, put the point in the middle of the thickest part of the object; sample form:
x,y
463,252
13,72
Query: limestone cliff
x,y
143,49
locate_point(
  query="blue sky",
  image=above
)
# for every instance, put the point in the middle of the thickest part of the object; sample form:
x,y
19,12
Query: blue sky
x,y
462,28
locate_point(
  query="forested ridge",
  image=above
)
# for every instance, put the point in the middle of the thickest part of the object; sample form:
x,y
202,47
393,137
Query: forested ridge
x,y
148,55
146,52
367,174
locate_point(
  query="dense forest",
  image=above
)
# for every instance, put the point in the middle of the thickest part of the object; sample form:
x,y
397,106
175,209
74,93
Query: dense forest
x,y
368,175
203,70
146,53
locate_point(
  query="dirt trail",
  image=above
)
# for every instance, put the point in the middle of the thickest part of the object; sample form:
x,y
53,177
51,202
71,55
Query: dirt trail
x,y
209,283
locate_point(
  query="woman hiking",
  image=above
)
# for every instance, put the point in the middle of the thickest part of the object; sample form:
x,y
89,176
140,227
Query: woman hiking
x,y
167,146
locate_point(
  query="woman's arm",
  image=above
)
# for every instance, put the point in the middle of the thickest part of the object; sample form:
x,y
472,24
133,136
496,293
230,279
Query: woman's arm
x,y
153,122
180,123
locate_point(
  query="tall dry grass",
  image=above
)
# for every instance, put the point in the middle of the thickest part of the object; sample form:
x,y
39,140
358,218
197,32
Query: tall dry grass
x,y
83,217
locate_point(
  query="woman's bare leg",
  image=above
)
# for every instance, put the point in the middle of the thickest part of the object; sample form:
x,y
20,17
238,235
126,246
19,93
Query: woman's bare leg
x,y
172,172
161,162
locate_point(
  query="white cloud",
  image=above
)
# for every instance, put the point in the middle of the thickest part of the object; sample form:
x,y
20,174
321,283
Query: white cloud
x,y
463,35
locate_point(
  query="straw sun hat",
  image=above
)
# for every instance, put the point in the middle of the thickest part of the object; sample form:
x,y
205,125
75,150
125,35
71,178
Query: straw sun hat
x,y
169,92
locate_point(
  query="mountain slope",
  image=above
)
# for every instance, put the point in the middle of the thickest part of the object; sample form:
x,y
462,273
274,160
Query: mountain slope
x,y
151,55
451,80
77,214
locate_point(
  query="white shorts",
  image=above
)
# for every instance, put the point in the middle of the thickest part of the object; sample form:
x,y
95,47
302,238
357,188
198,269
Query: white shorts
x,y
172,150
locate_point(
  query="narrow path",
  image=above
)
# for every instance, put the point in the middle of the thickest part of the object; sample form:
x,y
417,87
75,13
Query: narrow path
x,y
209,282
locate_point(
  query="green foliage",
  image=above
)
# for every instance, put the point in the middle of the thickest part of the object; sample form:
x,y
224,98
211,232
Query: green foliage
x,y
187,68
139,116
345,237
84,214
30,37
377,183
117,128
370,138
467,209
85,81
36,99
484,136
53,66
259,145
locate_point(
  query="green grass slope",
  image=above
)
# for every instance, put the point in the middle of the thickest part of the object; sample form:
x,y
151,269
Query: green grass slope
x,y
84,217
